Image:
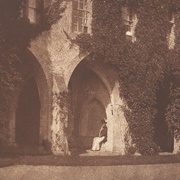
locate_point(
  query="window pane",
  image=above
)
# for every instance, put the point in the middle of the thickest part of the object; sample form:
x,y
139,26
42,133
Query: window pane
x,y
85,29
80,14
32,3
75,13
81,5
75,5
127,27
79,28
32,15
25,8
130,16
80,24
75,29
85,22
74,19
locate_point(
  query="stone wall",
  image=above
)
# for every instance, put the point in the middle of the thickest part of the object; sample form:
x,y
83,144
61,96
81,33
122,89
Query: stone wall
x,y
53,58
58,57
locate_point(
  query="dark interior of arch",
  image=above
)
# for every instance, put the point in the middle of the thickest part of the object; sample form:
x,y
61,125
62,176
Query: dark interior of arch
x,y
90,121
164,138
27,123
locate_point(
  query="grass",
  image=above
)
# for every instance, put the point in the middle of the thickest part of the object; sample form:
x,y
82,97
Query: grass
x,y
51,160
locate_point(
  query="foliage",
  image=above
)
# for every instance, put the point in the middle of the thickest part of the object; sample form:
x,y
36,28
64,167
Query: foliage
x,y
53,12
15,35
173,109
142,65
84,41
9,36
174,105
61,108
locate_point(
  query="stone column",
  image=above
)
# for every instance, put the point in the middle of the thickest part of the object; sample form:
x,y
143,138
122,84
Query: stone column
x,y
176,146
108,146
120,128
59,121
120,124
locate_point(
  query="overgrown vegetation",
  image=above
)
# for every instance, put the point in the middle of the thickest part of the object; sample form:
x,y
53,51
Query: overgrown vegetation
x,y
16,33
60,109
142,65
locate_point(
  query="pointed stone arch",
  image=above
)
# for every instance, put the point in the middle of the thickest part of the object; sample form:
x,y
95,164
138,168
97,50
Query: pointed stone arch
x,y
95,84
31,70
92,112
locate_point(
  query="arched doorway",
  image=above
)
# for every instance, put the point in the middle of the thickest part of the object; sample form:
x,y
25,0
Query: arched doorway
x,y
89,100
27,121
30,108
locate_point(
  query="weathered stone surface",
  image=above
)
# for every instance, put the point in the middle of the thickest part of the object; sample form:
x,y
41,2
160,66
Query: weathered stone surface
x,y
58,67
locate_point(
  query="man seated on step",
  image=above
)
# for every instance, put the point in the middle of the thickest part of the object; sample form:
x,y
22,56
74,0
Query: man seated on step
x,y
97,141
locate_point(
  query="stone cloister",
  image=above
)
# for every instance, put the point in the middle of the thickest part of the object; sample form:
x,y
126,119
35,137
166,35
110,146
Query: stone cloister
x,y
54,67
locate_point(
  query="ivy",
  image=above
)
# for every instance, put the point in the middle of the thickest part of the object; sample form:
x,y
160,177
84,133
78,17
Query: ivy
x,y
142,65
84,41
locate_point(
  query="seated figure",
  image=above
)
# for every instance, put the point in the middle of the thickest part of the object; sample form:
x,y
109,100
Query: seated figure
x,y
97,141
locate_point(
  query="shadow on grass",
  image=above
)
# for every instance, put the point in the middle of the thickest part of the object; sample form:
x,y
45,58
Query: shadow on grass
x,y
51,160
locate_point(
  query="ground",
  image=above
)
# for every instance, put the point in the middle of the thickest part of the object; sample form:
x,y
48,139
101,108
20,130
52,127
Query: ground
x,y
139,172
89,167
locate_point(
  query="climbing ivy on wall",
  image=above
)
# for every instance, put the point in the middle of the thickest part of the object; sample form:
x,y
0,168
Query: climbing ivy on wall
x,y
173,110
142,65
9,60
60,109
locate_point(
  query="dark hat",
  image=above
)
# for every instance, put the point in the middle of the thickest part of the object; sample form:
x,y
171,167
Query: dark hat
x,y
103,121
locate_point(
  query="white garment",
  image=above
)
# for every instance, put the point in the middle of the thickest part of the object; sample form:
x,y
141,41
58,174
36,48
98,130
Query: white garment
x,y
96,143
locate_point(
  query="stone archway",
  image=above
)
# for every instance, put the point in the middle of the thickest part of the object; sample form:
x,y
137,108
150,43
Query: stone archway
x,y
89,101
94,92
30,103
27,122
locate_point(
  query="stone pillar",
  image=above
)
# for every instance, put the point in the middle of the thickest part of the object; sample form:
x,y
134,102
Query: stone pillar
x,y
176,146
119,121
116,130
120,129
116,123
108,146
59,121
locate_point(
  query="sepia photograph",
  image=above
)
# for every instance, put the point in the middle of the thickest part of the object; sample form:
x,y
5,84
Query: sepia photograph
x,y
89,89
